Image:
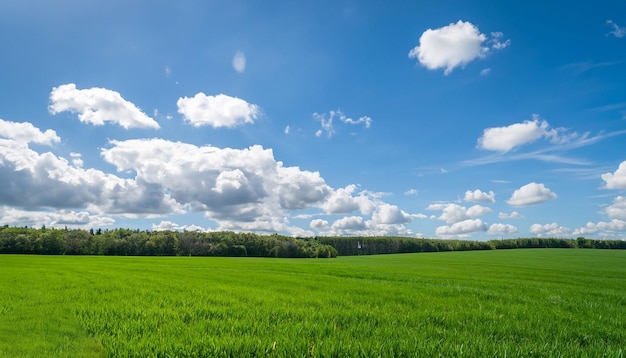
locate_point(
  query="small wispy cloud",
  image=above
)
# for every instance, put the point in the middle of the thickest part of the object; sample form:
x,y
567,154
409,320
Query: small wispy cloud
x,y
239,62
327,122
618,31
411,192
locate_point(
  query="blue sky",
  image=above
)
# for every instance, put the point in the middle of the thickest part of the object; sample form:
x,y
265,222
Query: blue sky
x,y
473,120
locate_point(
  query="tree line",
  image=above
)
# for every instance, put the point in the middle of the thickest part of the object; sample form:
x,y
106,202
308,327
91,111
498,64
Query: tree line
x,y
349,246
126,242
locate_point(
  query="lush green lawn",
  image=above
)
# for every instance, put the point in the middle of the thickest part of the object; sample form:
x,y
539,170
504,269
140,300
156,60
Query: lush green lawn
x,y
541,302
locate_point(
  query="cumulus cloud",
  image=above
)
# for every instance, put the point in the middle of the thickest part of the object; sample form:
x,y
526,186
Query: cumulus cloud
x,y
504,139
616,180
77,159
24,133
58,218
531,194
344,200
501,229
390,214
241,189
97,106
480,196
411,192
33,181
512,215
454,46
318,224
613,226
453,213
166,225
617,210
217,111
553,230
462,228
349,223
239,62
618,31
327,122
358,226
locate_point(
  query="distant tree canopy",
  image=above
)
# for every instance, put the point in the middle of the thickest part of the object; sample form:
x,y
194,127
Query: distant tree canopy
x,y
125,242
368,245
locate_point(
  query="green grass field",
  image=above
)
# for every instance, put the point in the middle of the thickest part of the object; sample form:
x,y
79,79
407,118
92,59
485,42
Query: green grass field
x,y
541,302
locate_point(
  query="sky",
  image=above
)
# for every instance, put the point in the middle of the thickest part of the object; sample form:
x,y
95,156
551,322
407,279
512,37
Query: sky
x,y
455,119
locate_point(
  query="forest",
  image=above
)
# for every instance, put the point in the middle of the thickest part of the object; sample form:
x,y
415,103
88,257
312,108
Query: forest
x,y
126,242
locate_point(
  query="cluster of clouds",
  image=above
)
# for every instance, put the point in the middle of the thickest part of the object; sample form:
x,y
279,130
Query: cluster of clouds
x,y
461,221
239,189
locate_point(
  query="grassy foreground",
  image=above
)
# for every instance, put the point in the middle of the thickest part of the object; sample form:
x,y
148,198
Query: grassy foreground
x,y
541,302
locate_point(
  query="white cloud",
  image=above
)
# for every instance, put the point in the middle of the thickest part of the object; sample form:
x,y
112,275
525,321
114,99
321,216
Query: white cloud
x,y
477,210
496,41
501,229
616,180
504,139
227,184
411,192
97,106
264,224
32,181
77,160
343,201
239,62
618,31
454,46
462,228
349,223
480,196
365,120
171,226
617,210
326,121
299,189
24,133
318,224
387,214
58,218
553,230
512,215
453,213
217,111
614,225
530,194
485,71
357,226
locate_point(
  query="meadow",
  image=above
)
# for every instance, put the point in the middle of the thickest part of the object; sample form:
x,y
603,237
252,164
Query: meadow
x,y
494,303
